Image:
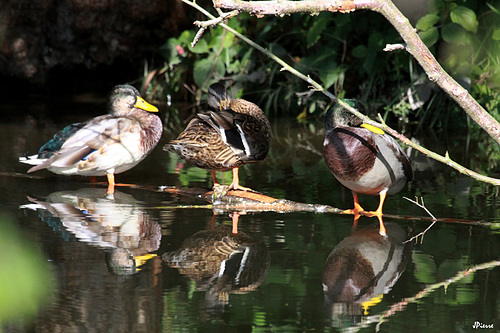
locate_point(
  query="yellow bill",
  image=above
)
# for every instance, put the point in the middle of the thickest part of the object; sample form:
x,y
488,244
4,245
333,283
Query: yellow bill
x,y
142,104
373,129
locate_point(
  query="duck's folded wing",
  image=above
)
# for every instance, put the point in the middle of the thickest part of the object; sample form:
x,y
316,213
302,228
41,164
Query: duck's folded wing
x,y
86,140
232,134
400,155
55,144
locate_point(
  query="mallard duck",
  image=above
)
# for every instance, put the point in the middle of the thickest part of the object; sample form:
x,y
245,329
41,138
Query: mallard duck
x,y
105,145
363,158
236,132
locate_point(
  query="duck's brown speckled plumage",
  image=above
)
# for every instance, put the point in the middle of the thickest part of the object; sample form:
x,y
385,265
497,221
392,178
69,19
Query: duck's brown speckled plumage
x,y
236,132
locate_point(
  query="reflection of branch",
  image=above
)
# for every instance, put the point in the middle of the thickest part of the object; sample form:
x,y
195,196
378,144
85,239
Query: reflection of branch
x,y
434,220
401,306
317,87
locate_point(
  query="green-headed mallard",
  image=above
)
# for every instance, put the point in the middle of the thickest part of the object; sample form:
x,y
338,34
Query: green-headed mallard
x,y
363,158
105,145
235,133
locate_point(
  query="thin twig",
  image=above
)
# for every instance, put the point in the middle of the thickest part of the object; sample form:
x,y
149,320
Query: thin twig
x,y
434,220
198,36
205,24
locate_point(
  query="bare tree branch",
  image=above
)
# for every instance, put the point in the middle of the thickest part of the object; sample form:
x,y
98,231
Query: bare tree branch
x,y
434,220
260,8
414,44
317,87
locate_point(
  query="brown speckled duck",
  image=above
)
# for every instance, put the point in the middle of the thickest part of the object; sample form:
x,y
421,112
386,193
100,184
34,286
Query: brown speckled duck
x,y
105,145
235,133
363,158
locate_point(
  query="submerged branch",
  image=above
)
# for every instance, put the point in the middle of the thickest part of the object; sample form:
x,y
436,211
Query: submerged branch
x,y
317,87
245,201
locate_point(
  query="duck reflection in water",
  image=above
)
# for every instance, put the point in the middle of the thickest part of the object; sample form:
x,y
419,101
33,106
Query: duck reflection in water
x,y
115,223
361,269
221,262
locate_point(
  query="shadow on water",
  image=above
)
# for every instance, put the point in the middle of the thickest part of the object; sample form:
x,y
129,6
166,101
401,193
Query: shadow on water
x,y
267,277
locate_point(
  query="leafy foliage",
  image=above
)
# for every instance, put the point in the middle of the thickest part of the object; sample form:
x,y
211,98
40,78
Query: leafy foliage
x,y
345,53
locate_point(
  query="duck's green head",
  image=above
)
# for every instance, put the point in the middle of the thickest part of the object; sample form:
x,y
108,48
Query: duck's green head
x,y
124,98
218,97
338,116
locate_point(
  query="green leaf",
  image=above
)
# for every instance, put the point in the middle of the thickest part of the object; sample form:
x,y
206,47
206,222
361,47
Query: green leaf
x,y
170,51
186,37
233,67
319,25
465,17
429,37
200,47
329,75
201,70
427,22
496,34
359,51
454,33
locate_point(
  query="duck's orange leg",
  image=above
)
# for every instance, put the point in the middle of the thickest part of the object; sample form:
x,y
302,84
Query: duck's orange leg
x,y
378,214
214,177
357,207
235,185
111,183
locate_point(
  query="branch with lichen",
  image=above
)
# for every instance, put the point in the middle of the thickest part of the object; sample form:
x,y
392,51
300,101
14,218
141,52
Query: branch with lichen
x,y
317,87
261,8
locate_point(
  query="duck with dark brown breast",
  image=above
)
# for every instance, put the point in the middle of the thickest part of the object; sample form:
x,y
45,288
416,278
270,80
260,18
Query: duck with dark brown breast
x,y
363,158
